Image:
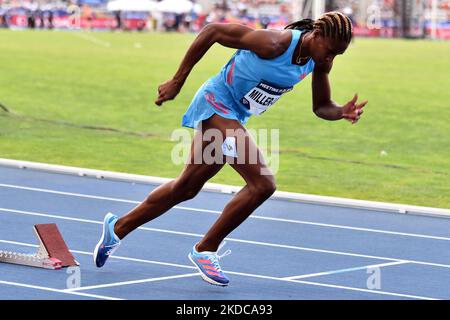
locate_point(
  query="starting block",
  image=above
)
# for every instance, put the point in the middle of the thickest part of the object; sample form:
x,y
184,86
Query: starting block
x,y
52,253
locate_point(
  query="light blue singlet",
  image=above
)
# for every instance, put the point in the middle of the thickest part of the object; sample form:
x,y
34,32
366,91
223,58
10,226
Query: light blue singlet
x,y
247,85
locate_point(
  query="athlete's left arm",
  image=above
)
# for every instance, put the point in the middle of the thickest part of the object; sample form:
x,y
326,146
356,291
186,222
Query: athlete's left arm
x,y
326,108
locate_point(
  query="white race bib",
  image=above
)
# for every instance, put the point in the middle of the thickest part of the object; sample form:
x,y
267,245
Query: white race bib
x,y
263,96
229,147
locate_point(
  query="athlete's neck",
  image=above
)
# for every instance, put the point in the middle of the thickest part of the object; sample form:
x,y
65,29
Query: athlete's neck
x,y
302,49
306,52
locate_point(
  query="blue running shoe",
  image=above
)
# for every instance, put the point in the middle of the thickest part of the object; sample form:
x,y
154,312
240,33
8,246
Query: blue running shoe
x,y
207,263
108,243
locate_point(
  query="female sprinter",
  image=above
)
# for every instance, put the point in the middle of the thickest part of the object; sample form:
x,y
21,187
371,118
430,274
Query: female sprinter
x,y
267,64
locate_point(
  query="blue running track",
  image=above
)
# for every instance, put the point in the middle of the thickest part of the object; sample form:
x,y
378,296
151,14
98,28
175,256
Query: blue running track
x,y
286,250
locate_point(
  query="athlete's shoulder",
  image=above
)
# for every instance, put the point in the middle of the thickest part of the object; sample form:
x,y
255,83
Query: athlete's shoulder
x,y
285,40
273,43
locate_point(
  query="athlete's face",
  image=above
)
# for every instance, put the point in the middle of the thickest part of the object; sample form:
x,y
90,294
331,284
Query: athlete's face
x,y
324,49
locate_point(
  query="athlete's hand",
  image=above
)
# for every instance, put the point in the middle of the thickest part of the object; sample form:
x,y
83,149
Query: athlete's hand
x,y
352,110
168,91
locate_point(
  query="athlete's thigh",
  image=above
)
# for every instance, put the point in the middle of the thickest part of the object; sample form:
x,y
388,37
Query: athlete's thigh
x,y
248,160
197,168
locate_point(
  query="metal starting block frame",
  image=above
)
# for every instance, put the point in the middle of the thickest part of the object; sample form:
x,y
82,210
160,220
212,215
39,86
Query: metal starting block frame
x,y
52,253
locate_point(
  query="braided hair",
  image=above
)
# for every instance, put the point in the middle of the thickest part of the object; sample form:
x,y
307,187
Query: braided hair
x,y
332,24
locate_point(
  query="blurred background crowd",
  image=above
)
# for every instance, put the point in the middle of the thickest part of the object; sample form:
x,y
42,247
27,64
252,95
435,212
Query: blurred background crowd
x,y
385,18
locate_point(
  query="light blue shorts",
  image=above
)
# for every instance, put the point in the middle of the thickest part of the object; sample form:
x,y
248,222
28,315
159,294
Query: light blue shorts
x,y
212,98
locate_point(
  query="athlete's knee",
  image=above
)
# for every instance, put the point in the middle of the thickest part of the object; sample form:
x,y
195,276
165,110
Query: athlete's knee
x,y
265,186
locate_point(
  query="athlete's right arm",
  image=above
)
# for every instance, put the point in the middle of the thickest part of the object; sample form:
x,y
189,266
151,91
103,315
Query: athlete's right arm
x,y
267,44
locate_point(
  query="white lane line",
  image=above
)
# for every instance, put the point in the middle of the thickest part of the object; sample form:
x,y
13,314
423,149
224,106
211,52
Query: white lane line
x,y
365,290
80,195
345,270
219,212
266,244
353,228
123,283
38,214
248,274
57,290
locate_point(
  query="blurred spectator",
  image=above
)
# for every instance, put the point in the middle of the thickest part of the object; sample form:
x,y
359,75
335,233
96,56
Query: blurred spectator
x,y
118,16
140,25
40,17
31,19
348,11
264,21
50,24
170,22
87,13
3,18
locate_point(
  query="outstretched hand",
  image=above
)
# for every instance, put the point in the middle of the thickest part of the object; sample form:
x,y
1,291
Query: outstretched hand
x,y
352,111
168,91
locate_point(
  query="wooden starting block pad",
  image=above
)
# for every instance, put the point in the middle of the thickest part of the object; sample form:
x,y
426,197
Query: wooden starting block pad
x,y
52,253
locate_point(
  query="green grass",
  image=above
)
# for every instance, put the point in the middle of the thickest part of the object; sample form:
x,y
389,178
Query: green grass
x,y
66,77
